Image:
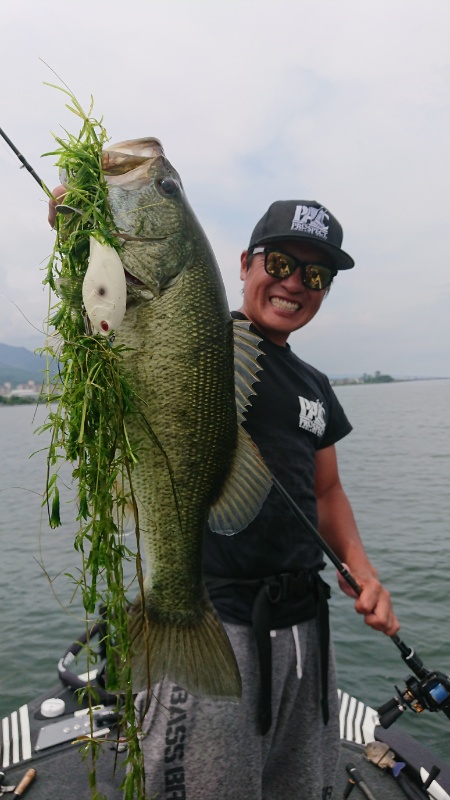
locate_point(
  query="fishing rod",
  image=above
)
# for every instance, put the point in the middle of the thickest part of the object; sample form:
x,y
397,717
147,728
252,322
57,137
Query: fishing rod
x,y
431,691
25,163
301,516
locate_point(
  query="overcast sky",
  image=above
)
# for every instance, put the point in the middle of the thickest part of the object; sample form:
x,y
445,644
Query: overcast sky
x,y
343,101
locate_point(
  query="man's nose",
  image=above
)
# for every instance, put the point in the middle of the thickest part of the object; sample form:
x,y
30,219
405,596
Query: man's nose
x,y
294,282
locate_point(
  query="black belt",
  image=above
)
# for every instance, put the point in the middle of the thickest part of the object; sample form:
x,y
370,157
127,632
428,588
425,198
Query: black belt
x,y
271,591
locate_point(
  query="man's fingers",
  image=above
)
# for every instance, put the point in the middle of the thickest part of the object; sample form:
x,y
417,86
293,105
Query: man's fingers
x,y
58,196
344,586
378,612
374,603
386,624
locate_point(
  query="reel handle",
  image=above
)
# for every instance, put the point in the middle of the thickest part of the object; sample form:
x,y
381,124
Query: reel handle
x,y
389,712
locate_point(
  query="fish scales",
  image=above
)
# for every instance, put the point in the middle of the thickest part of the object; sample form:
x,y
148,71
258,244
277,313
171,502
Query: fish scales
x,y
179,357
174,367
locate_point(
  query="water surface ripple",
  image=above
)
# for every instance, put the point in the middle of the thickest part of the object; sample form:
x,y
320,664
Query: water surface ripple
x,y
395,467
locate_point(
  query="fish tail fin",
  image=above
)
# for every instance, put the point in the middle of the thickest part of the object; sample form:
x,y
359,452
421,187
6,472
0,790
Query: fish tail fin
x,y
196,656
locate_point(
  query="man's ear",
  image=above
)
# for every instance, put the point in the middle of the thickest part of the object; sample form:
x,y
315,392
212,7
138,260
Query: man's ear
x,y
244,265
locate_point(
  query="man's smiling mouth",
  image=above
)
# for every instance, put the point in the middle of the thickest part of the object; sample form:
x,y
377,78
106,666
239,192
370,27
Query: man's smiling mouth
x,y
285,305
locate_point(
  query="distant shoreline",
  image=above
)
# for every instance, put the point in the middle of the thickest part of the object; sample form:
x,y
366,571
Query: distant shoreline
x,y
22,401
9,400
360,382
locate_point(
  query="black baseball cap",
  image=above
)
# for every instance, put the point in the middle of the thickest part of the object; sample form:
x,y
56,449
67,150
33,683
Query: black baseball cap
x,y
303,220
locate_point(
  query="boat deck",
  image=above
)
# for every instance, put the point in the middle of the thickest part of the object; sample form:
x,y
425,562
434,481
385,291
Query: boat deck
x,y
67,776
30,740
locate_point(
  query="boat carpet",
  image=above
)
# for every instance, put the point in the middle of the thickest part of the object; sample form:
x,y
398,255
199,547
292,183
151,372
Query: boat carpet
x,y
66,775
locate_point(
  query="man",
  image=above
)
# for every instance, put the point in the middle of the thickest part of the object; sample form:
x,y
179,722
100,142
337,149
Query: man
x,y
282,740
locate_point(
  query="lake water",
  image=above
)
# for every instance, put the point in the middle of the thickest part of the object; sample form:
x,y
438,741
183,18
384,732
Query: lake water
x,y
395,467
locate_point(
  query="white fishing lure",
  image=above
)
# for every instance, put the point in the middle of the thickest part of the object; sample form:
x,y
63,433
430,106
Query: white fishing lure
x,y
104,288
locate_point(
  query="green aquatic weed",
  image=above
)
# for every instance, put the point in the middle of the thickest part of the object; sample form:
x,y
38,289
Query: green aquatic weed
x,y
88,401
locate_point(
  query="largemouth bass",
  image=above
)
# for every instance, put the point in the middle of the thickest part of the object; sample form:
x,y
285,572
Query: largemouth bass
x,y
194,459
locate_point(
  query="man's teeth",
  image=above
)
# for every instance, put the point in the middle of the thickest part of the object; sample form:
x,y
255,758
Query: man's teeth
x,y
287,305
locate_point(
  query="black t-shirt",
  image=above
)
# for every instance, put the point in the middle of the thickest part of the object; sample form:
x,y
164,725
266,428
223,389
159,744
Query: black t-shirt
x,y
293,414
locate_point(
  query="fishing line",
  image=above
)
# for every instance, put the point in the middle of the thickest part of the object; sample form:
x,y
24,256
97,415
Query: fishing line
x,y
56,76
22,489
5,297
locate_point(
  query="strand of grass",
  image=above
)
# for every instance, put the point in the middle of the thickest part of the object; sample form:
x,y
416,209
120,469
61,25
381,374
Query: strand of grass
x,y
88,427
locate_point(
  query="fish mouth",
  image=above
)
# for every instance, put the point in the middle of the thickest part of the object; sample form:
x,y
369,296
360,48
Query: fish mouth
x,y
132,280
127,163
127,237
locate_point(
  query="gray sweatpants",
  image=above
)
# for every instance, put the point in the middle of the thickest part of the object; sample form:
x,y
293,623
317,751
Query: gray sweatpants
x,y
203,749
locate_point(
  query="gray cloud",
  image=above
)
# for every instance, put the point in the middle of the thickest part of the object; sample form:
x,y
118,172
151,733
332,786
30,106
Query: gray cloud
x,y
345,102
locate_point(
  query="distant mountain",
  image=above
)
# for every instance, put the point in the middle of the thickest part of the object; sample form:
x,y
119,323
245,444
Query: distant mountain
x,y
19,365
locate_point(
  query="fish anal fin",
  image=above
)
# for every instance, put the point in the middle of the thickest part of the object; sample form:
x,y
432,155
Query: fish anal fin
x,y
198,657
244,491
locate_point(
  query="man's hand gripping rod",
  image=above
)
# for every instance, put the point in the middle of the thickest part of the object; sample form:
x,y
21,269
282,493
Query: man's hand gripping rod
x,y
434,679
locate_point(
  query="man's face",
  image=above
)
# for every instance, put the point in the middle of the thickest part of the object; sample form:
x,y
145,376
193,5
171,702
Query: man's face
x,y
277,308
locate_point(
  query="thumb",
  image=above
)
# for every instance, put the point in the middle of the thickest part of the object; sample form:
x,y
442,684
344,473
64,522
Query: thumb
x,y
344,586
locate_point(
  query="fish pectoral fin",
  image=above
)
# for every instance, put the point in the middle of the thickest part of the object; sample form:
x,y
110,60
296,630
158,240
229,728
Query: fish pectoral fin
x,y
249,481
245,490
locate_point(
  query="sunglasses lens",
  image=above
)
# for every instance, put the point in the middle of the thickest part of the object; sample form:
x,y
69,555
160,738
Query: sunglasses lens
x,y
315,276
279,265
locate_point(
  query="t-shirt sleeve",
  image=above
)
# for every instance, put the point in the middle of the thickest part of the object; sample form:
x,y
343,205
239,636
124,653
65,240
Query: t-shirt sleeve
x,y
337,425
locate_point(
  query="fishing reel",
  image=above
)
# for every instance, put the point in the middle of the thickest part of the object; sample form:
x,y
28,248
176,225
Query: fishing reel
x,y
425,691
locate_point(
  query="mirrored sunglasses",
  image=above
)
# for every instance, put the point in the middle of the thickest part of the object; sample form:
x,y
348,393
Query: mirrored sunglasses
x,y
281,265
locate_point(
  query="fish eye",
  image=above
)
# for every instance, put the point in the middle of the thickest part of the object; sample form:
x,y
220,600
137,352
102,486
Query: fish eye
x,y
168,186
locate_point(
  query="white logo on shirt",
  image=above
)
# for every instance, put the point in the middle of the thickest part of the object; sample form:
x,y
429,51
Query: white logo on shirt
x,y
312,416
310,220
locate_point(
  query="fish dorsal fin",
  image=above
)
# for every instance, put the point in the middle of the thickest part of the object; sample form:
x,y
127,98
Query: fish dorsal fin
x,y
246,366
249,481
